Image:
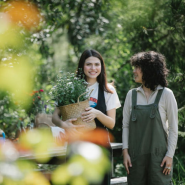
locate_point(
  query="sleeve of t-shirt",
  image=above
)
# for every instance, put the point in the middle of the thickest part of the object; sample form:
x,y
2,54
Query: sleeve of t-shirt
x,y
112,100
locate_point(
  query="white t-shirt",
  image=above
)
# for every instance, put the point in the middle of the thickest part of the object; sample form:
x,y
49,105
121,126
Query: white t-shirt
x,y
111,100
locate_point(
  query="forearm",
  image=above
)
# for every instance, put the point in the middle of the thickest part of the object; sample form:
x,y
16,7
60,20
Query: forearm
x,y
106,120
172,116
125,151
57,121
126,120
172,143
125,136
56,118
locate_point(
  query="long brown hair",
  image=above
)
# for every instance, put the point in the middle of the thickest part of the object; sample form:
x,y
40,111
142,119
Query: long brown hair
x,y
102,78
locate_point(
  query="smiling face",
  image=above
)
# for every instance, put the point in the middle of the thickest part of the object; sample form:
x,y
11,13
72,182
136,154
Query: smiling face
x,y
137,74
92,68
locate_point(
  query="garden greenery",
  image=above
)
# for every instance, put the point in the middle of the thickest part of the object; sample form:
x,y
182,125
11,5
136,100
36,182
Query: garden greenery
x,y
117,29
38,104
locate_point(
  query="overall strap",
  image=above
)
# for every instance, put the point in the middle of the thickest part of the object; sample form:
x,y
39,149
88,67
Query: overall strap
x,y
134,97
155,105
157,99
134,102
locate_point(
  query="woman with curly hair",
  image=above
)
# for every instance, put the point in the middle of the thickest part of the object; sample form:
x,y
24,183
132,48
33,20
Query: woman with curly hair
x,y
150,123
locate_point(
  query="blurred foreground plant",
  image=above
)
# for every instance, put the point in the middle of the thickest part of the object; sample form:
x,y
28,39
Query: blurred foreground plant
x,y
18,56
15,170
87,163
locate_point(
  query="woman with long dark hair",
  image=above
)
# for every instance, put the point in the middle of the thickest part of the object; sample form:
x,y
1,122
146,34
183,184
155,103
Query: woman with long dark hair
x,y
93,70
150,123
103,100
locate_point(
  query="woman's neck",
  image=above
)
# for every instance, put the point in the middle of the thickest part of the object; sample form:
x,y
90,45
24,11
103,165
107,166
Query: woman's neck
x,y
147,90
91,82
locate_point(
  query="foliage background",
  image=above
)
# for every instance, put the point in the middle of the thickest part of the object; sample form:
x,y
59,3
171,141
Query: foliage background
x,y
117,29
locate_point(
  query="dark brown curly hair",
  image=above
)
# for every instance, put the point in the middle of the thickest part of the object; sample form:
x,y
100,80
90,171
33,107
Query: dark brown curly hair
x,y
153,67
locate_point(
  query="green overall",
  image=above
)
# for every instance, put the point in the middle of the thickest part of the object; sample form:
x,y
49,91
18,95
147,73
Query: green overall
x,y
147,144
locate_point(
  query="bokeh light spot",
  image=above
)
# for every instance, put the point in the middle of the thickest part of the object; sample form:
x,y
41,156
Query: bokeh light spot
x,y
34,136
89,151
25,13
75,169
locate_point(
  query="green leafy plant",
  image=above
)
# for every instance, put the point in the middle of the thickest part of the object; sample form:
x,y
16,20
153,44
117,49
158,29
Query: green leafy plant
x,y
67,88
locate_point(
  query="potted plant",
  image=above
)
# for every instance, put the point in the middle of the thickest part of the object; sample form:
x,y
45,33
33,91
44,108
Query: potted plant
x,y
69,93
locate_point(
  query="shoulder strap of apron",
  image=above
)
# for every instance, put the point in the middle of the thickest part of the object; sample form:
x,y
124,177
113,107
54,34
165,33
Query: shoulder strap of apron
x,y
134,103
155,105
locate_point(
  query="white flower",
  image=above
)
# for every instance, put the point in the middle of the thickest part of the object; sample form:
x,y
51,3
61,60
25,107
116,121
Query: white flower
x,y
86,83
69,83
54,87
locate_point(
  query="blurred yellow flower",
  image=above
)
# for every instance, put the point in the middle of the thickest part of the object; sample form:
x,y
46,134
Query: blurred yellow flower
x,y
35,178
87,164
38,142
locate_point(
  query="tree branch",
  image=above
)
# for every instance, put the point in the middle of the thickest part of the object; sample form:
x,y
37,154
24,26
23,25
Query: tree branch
x,y
181,109
122,65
